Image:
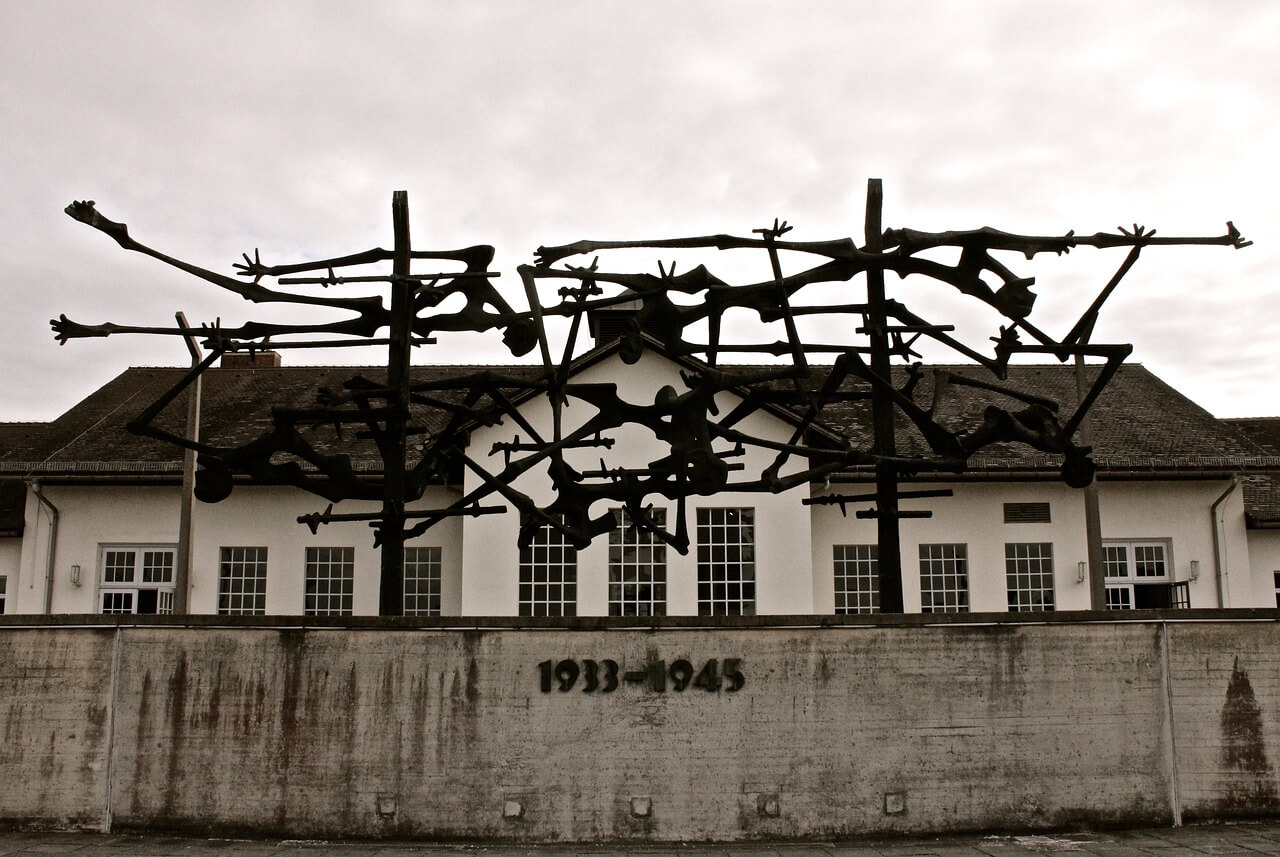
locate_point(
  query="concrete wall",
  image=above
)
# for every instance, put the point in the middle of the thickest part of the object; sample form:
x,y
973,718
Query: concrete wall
x,y
389,729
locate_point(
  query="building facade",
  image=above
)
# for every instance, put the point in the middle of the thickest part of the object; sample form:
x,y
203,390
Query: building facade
x,y
91,516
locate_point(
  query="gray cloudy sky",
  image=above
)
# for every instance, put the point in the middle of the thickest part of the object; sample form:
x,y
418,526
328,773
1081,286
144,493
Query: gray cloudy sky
x,y
212,128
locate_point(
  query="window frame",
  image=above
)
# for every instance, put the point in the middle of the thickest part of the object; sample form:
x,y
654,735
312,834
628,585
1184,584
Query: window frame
x,y
858,564
428,559
1122,589
637,561
1037,562
547,575
345,594
730,565
4,586
941,567
227,560
133,587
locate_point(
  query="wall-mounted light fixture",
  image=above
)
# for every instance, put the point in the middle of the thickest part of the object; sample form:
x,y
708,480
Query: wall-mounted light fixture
x,y
1082,571
1195,569
75,576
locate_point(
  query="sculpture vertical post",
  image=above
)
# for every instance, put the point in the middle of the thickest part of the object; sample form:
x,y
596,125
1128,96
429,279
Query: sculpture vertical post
x,y
391,588
182,568
889,551
1092,515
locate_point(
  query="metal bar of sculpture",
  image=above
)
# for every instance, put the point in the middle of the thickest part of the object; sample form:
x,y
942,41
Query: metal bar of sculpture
x,y
701,443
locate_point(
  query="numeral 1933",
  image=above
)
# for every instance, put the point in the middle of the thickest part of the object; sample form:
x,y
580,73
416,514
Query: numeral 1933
x,y
604,676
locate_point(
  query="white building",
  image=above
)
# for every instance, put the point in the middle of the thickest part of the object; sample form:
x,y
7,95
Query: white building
x,y
89,518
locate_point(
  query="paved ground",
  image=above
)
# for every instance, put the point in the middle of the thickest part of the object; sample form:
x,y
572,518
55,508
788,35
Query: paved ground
x,y
1246,838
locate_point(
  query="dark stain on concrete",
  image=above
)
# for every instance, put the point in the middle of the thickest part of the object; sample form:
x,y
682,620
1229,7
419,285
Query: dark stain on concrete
x,y
141,746
175,749
96,717
292,645
824,669
1249,780
471,711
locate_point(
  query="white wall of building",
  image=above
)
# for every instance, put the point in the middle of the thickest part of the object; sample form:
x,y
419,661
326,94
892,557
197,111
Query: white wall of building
x,y
1264,559
1176,513
10,563
267,517
1181,513
974,517
89,516
790,579
92,517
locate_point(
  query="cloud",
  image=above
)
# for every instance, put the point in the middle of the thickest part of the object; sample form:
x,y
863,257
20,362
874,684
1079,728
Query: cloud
x,y
215,129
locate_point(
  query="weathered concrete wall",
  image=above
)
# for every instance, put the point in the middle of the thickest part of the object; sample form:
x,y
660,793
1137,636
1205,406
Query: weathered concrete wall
x,y
1226,704
55,698
865,726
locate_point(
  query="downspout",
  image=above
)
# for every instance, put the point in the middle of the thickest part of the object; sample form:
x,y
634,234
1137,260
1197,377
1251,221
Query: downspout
x,y
1219,564
53,545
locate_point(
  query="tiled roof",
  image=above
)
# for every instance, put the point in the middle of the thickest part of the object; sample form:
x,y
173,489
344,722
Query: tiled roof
x,y
1261,491
24,440
236,406
1139,424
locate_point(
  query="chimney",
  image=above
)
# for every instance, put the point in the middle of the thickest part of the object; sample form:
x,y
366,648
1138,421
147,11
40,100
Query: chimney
x,y
250,360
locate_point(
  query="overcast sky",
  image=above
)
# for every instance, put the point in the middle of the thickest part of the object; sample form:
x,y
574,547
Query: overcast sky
x,y
214,128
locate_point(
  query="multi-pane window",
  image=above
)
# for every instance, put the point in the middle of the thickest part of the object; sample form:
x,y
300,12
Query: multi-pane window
x,y
944,578
726,562
1138,576
330,581
857,569
637,567
1119,597
242,581
1276,577
422,581
4,582
1028,569
548,574
136,579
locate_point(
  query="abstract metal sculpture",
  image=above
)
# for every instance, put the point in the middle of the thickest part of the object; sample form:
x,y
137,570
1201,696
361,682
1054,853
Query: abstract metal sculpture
x,y
666,310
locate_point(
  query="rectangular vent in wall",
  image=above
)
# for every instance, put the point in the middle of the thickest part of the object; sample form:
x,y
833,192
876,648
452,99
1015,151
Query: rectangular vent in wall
x,y
1026,513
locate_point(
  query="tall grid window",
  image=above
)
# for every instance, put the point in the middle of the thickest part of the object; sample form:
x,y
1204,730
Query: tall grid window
x,y
1138,576
637,567
1275,575
330,581
1028,569
857,569
422,581
242,581
726,562
944,578
549,575
4,581
136,579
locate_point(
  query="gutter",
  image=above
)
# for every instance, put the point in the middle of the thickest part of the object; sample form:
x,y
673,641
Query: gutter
x,y
1219,564
53,545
